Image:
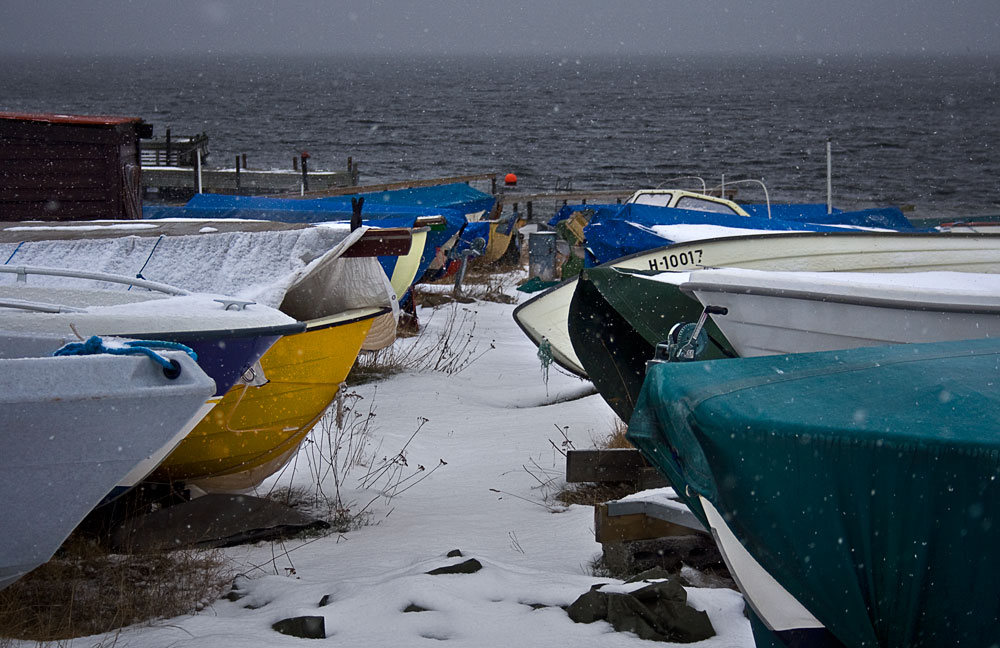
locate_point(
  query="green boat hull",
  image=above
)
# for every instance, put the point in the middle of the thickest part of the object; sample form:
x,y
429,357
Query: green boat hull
x,y
617,318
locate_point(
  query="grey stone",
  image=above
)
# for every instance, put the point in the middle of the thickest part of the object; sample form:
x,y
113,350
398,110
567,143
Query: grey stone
x,y
470,566
590,607
657,612
304,627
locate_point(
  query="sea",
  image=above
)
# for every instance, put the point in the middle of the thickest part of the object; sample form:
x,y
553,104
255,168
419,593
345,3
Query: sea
x,y
919,132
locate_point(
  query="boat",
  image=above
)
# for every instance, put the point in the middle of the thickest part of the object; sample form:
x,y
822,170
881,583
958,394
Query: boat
x,y
402,268
445,209
253,260
544,317
496,235
766,312
228,334
73,427
614,233
314,275
257,428
852,492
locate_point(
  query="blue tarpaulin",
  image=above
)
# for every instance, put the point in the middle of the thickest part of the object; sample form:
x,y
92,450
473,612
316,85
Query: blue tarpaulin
x,y
617,231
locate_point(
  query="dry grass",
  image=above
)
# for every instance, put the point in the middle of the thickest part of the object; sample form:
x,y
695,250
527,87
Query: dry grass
x,y
86,591
616,438
343,459
449,350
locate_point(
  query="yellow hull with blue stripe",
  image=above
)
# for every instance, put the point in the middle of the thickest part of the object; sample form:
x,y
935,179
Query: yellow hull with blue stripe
x,y
254,430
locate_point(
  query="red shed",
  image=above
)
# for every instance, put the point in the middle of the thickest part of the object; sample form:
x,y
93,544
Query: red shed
x,y
69,167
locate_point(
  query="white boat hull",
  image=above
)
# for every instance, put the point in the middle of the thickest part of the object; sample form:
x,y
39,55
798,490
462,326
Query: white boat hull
x,y
546,315
770,313
72,428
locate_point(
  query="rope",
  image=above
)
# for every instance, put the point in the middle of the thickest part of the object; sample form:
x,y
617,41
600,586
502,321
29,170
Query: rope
x,y
94,345
13,253
138,275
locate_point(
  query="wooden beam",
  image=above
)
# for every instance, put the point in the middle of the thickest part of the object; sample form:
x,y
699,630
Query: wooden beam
x,y
390,186
626,528
609,465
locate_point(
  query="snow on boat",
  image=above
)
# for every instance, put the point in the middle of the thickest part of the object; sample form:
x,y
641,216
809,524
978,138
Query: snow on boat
x,y
327,278
73,428
228,334
764,312
545,316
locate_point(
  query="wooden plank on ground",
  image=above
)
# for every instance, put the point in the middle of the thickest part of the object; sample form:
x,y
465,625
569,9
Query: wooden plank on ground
x,y
604,465
637,526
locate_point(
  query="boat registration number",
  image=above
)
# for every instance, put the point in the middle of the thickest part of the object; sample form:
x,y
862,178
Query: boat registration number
x,y
677,260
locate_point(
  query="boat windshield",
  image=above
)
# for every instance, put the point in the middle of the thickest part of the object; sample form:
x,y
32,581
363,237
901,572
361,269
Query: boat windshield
x,y
700,204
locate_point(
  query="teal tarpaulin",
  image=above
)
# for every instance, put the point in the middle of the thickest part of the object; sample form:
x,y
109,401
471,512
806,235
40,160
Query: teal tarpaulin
x,y
866,481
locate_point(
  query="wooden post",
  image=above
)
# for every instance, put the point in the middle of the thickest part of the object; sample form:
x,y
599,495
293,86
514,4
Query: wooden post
x,y
295,164
168,148
350,164
237,174
305,177
530,211
244,160
493,185
354,174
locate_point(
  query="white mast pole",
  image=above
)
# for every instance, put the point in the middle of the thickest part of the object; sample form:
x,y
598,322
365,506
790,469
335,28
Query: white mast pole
x,y
829,179
198,156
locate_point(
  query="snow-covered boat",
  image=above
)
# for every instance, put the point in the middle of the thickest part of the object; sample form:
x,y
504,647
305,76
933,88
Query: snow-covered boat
x,y
316,275
75,427
228,334
763,312
544,318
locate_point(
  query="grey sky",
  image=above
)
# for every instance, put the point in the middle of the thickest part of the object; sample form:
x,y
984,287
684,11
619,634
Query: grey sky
x,y
498,27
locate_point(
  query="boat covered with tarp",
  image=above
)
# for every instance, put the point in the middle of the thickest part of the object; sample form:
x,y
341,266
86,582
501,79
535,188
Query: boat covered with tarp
x,y
863,483
432,229
618,231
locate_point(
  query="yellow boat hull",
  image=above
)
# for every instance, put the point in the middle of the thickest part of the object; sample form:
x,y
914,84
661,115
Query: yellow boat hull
x,y
501,234
254,430
405,271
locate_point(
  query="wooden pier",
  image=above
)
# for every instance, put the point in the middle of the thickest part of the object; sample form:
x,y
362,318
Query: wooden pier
x,y
180,183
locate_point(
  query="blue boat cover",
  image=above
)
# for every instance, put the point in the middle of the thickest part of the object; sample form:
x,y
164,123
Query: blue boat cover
x,y
808,212
619,230
866,481
458,196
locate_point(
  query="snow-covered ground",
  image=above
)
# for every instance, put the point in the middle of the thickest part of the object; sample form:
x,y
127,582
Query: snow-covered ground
x,y
488,439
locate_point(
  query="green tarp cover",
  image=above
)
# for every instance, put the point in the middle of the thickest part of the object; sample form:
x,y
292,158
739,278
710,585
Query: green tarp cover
x,y
864,481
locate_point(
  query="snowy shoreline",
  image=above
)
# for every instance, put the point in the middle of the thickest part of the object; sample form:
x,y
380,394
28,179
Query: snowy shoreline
x,y
486,437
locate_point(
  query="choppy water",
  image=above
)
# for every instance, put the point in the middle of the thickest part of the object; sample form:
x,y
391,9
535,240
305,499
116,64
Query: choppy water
x,y
921,132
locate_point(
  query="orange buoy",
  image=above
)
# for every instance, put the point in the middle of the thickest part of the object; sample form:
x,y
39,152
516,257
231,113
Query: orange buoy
x,y
510,179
